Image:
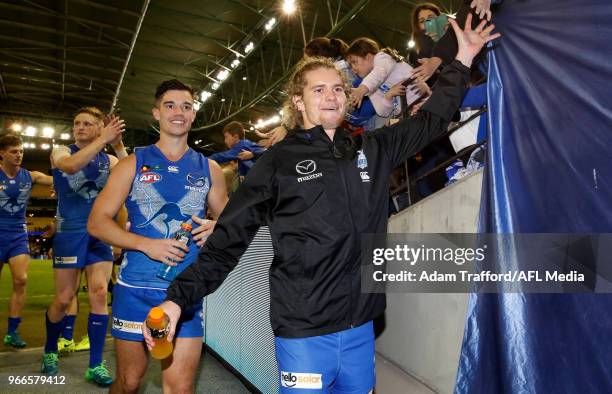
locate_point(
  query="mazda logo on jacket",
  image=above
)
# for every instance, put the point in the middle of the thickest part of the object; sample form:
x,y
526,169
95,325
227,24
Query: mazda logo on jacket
x,y
306,167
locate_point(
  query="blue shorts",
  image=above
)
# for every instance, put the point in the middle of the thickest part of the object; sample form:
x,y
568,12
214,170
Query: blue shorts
x,y
77,250
132,304
13,244
339,363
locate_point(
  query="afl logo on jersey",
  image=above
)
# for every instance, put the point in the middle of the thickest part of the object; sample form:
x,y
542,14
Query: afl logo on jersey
x,y
150,177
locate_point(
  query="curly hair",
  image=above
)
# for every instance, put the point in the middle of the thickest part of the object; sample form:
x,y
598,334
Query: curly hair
x,y
292,118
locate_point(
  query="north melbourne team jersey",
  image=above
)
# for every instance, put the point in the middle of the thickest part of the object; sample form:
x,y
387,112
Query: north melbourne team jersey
x,y
164,194
14,195
77,192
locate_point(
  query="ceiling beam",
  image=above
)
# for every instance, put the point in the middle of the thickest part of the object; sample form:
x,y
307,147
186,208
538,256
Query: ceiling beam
x,y
47,30
143,12
196,15
148,59
185,32
2,87
38,45
50,81
157,44
83,77
64,51
94,4
27,58
38,113
45,91
165,74
40,9
248,7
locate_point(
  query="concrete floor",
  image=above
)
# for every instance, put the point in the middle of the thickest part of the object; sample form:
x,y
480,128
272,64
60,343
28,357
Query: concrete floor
x,y
213,377
392,380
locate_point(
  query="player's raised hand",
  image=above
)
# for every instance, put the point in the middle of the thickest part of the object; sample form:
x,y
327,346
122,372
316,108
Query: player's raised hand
x,y
470,41
112,131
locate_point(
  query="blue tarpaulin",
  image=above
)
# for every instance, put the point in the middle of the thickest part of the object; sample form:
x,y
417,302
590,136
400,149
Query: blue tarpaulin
x,y
549,170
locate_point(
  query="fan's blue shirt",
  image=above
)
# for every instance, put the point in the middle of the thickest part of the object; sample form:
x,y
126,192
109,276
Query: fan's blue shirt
x,y
14,195
164,194
232,154
77,192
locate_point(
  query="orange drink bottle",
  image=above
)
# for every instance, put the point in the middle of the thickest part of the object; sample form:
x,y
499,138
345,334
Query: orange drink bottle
x,y
158,326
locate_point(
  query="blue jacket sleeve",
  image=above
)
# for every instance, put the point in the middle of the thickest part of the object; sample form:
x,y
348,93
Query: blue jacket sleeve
x,y
228,155
253,147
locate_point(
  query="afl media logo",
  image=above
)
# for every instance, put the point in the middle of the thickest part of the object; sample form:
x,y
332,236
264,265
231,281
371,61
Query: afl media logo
x,y
149,177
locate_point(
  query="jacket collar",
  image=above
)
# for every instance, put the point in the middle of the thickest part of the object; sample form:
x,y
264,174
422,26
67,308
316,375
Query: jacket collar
x,y
318,133
343,145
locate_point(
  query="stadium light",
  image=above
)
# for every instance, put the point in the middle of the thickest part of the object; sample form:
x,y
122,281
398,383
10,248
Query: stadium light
x,y
16,127
261,123
222,75
48,132
205,95
45,146
249,47
411,44
215,86
289,7
64,136
30,131
235,63
270,25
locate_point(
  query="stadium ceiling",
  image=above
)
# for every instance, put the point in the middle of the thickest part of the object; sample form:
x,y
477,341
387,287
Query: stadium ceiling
x,y
58,55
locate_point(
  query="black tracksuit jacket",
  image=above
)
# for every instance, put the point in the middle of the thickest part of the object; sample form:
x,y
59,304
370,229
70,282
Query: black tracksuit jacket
x,y
318,196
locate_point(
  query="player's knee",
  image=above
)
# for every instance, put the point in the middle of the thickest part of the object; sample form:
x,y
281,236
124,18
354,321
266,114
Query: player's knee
x,y
64,298
129,383
98,292
19,282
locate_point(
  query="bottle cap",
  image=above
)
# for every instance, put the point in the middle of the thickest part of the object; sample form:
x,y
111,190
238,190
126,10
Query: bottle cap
x,y
186,226
156,314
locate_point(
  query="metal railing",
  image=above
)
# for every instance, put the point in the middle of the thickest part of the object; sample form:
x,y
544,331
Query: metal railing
x,y
408,187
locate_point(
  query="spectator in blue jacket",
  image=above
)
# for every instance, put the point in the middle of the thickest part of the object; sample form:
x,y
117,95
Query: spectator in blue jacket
x,y
233,136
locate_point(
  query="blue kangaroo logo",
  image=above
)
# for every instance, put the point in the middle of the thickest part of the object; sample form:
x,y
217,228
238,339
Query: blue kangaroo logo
x,y
172,212
12,205
88,187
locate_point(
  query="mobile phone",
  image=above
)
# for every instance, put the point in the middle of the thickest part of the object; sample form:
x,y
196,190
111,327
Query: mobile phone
x,y
436,27
408,82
